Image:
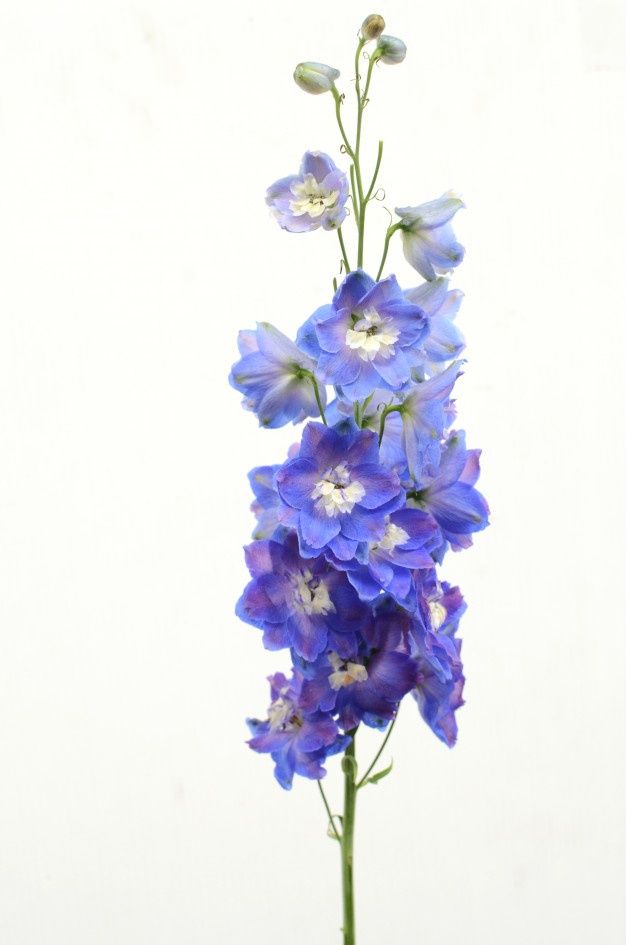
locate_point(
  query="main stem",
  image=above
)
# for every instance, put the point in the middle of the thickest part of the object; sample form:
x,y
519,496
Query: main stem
x,y
347,844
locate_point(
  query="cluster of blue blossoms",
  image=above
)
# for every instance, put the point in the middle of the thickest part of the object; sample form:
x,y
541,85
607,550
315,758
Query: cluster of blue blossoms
x,y
352,527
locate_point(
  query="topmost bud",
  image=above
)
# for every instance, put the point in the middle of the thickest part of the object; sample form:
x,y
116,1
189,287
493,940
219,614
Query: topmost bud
x,y
372,27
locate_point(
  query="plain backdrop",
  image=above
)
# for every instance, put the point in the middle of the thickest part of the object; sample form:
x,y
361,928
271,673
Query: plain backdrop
x,y
137,140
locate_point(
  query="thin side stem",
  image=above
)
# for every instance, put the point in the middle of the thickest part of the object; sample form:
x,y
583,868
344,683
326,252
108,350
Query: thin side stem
x,y
343,250
318,399
347,145
377,755
353,195
390,231
383,418
331,819
368,195
347,844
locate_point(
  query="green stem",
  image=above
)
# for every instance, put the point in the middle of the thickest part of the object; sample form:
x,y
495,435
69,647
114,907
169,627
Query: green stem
x,y
347,843
316,391
343,250
331,819
391,408
368,195
357,150
377,755
353,195
346,143
390,231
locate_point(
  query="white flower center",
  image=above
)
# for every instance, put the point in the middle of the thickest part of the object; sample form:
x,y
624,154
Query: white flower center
x,y
281,714
345,673
372,336
308,197
394,536
335,493
311,594
438,614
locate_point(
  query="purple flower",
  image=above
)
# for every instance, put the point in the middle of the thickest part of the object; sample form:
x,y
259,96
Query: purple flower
x,y
388,564
277,379
300,603
439,679
336,493
427,237
449,495
361,339
315,197
298,741
367,689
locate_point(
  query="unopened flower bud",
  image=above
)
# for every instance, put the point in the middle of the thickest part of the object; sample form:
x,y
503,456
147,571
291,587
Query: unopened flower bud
x,y
315,77
390,50
373,25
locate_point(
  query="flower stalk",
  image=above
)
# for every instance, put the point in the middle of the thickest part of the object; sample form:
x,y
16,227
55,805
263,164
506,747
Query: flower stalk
x,y
353,525
347,841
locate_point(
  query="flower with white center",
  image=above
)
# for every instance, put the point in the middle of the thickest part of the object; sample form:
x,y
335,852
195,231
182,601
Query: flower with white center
x,y
335,493
390,561
394,536
300,603
309,196
345,673
438,614
279,713
311,594
372,336
363,340
314,197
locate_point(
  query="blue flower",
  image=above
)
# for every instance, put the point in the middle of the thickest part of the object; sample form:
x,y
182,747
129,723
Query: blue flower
x,y
267,501
277,379
300,603
361,339
364,688
427,237
298,741
388,564
315,197
425,413
449,495
439,680
336,493
444,341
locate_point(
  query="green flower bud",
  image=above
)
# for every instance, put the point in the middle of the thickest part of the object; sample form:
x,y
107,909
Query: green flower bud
x,y
315,77
372,27
391,50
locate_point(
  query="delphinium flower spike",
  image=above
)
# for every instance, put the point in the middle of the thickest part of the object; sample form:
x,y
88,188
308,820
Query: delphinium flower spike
x,y
354,525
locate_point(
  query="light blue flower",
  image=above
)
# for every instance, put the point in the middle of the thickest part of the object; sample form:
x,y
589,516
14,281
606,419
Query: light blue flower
x,y
427,237
425,413
277,379
315,197
444,341
361,340
336,493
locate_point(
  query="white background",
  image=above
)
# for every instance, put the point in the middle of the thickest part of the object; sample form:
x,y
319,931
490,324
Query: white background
x,y
137,142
